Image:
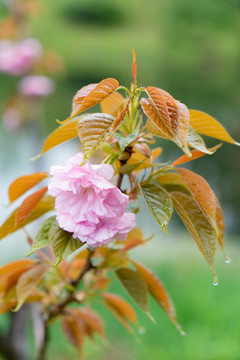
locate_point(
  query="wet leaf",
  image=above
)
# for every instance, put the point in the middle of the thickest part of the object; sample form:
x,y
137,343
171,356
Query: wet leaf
x,y
61,134
136,287
28,282
22,184
123,311
202,193
42,239
158,292
9,301
198,225
113,104
9,226
207,125
29,204
159,203
220,223
62,242
196,154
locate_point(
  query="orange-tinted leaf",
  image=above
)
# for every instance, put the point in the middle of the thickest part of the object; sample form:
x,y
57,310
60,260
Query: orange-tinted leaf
x,y
93,130
75,268
112,104
157,126
10,273
154,130
91,95
202,193
119,119
198,225
74,329
29,204
9,226
134,68
28,282
196,154
123,311
207,125
158,98
9,301
220,223
171,179
61,134
178,117
182,124
22,184
134,238
158,292
81,95
172,108
92,320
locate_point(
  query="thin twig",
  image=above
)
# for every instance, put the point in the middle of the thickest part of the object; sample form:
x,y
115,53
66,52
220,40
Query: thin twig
x,y
58,309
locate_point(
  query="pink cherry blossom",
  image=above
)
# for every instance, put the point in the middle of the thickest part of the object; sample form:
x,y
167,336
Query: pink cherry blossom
x,y
87,204
36,86
18,58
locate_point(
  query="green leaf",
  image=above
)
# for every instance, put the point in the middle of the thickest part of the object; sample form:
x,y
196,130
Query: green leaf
x,y
124,141
159,203
41,240
196,141
198,225
62,242
136,287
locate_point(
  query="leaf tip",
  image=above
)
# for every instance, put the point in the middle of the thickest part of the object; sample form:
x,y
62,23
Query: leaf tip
x,y
180,329
35,157
149,315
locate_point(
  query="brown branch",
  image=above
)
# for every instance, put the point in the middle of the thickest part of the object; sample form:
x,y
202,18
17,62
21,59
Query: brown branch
x,y
119,181
58,309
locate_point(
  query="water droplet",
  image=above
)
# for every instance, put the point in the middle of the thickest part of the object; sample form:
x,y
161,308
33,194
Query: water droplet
x,y
141,330
215,283
227,261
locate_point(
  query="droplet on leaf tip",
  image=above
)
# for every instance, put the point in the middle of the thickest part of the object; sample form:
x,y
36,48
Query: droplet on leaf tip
x,y
227,260
141,330
215,283
181,331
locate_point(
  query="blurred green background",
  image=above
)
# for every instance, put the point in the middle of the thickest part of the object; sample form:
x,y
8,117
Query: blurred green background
x,y
192,50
